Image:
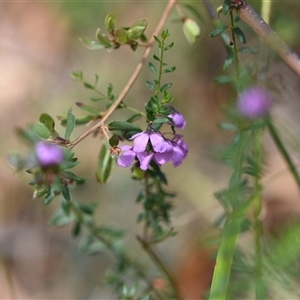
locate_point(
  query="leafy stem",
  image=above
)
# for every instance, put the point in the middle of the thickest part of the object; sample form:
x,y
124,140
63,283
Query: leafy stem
x,y
161,63
235,49
132,79
115,253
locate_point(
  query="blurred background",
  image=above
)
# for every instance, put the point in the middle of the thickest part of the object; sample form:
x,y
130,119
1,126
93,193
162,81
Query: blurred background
x,y
40,47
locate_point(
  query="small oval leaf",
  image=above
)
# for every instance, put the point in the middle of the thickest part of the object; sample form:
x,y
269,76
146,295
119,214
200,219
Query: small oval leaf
x,y
42,131
70,124
118,125
104,164
240,35
218,31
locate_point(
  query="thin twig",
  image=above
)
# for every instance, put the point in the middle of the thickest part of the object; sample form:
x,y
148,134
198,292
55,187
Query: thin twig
x,y
251,18
133,77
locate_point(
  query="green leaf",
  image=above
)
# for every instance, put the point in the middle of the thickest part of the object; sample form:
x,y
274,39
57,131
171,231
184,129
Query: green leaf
x,y
169,70
66,193
150,85
228,61
42,131
16,161
166,87
104,164
114,140
240,34
157,40
134,118
71,176
92,45
88,108
165,34
76,229
87,208
77,75
28,134
224,79
225,8
110,22
103,40
78,121
156,57
114,233
121,36
218,31
70,124
118,125
153,68
66,206
60,219
136,30
49,197
41,192
161,120
49,123
169,46
237,19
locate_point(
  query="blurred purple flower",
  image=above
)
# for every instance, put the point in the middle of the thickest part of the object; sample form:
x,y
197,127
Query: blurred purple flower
x,y
177,119
254,102
48,154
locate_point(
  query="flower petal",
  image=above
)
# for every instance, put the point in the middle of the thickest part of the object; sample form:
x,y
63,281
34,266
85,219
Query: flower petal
x,y
145,159
140,142
158,142
125,147
162,158
177,156
126,159
184,147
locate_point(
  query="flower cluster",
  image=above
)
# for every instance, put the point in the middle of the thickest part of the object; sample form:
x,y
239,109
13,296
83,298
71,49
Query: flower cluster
x,y
151,145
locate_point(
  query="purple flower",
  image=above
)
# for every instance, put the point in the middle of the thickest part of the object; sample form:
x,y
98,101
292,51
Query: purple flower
x,y
180,150
177,119
48,154
162,150
145,159
141,140
254,102
126,159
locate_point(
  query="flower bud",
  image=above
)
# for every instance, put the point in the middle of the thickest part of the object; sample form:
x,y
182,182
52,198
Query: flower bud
x,y
177,119
110,22
191,30
48,154
254,102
